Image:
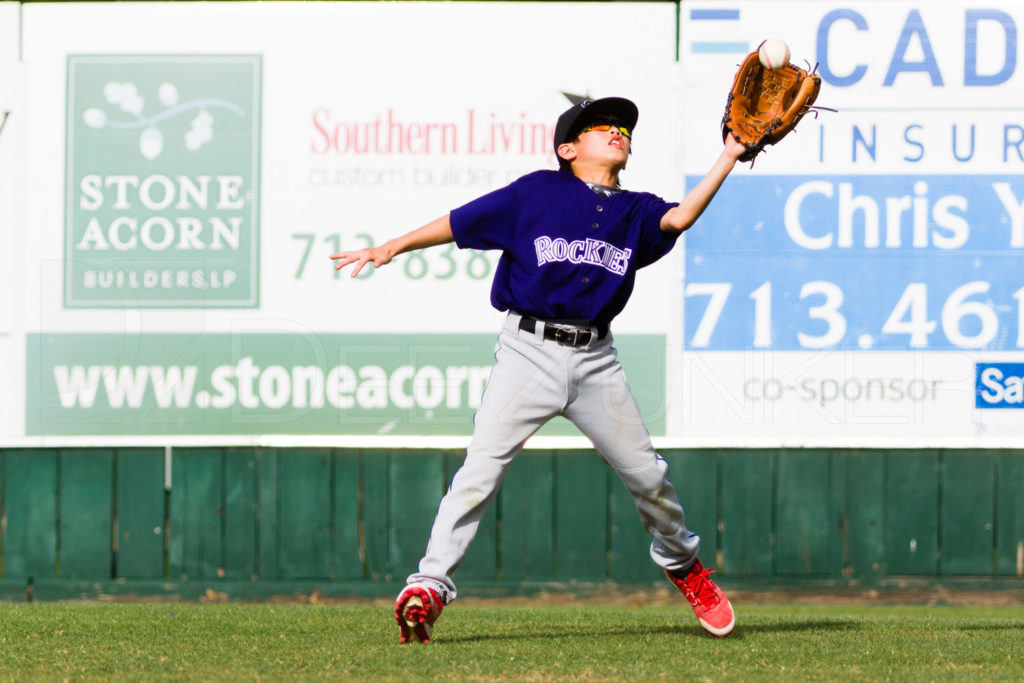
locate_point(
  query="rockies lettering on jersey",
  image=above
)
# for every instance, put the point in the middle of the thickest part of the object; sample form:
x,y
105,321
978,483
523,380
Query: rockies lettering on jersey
x,y
594,252
549,224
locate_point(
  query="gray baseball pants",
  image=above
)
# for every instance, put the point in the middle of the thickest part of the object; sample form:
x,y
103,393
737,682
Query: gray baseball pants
x,y
534,380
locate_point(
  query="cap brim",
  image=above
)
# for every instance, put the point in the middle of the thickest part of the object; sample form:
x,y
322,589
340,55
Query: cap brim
x,y
618,107
572,120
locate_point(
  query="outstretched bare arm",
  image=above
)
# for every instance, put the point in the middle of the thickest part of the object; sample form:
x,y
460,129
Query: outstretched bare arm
x,y
436,232
681,217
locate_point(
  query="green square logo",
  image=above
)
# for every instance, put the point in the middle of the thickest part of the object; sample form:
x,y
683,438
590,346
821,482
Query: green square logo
x,y
162,197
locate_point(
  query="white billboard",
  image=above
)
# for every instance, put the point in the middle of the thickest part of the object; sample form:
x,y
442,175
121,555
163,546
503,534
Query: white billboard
x,y
12,152
194,166
13,130
862,283
371,126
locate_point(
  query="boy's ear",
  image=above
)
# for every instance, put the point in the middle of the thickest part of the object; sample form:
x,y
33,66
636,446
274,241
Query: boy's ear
x,y
567,151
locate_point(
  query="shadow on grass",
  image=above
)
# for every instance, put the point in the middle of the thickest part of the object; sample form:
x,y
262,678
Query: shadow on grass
x,y
740,633
803,626
999,626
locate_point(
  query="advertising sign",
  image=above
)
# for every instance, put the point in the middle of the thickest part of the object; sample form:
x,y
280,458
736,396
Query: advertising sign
x,y
862,262
12,151
285,382
13,130
163,181
196,166
856,283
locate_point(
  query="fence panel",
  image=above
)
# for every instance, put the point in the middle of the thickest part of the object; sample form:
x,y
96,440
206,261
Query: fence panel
x,y
268,523
347,560
416,484
241,514
86,513
864,512
581,516
968,524
30,506
804,527
526,505
745,519
195,537
1010,515
304,513
911,513
140,513
377,520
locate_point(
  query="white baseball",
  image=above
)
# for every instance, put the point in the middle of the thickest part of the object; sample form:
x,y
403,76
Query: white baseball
x,y
774,54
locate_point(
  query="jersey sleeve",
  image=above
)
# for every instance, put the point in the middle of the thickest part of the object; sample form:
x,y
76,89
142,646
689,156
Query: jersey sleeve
x,y
487,222
656,241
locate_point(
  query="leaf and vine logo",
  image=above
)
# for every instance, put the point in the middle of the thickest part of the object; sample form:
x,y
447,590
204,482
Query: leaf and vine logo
x,y
126,97
162,191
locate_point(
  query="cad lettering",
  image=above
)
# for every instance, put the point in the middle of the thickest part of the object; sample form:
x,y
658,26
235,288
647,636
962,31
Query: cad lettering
x,y
915,33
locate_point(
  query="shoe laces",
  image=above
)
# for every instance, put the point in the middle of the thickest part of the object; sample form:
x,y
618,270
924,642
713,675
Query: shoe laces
x,y
699,589
417,613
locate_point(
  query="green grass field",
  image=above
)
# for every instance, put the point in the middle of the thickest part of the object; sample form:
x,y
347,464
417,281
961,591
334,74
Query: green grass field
x,y
487,641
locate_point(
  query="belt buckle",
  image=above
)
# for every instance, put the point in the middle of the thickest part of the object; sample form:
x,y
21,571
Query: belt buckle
x,y
571,336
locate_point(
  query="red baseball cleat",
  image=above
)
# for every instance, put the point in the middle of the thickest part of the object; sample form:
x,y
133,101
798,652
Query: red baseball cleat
x,y
416,610
708,601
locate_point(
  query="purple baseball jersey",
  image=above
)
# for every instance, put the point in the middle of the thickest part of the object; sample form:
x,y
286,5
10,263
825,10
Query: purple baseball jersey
x,y
568,253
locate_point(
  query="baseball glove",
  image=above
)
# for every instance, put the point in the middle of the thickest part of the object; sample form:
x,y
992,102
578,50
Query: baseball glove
x,y
765,105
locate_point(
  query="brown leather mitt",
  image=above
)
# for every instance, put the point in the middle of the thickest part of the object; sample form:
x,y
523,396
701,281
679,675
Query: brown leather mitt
x,y
764,105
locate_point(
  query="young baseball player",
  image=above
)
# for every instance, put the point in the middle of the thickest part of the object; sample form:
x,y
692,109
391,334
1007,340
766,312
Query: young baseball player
x,y
571,242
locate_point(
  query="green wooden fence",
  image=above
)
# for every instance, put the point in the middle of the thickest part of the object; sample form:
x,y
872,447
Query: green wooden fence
x,y
87,521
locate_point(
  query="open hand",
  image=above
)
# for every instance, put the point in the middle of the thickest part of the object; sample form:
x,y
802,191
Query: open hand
x,y
378,256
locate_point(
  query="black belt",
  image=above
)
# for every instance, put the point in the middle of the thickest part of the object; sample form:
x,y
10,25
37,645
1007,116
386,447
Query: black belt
x,y
566,336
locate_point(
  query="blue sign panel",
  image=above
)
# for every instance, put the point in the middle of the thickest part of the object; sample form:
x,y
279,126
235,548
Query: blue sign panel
x,y
999,385
873,263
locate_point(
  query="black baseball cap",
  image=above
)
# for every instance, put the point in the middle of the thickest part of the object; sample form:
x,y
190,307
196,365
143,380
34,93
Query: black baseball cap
x,y
579,115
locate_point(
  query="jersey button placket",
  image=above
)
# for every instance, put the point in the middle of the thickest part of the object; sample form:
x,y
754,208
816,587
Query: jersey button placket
x,y
595,225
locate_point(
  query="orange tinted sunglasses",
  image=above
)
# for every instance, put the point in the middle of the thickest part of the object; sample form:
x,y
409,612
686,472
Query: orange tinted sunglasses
x,y
606,126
